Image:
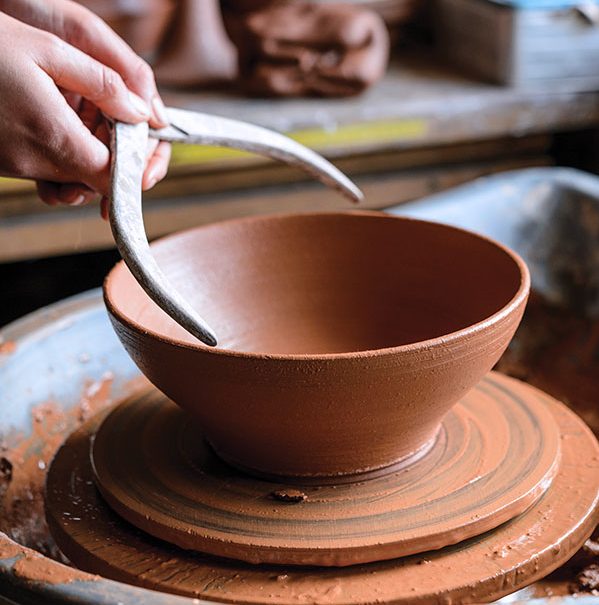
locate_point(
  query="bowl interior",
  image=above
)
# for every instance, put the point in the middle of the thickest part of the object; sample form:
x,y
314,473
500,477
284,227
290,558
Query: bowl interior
x,y
326,283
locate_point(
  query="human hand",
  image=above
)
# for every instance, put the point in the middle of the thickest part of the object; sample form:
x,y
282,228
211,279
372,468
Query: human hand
x,y
290,48
54,94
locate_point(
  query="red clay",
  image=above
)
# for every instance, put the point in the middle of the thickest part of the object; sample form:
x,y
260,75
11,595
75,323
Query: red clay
x,y
344,338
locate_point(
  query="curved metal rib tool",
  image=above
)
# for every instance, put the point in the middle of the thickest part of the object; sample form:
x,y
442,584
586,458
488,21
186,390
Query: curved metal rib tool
x,y
128,148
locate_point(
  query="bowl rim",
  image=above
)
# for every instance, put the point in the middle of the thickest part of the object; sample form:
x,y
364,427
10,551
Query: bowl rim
x,y
519,297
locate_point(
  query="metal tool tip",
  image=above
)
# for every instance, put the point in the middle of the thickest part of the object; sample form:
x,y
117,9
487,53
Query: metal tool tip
x,y
357,196
351,191
208,338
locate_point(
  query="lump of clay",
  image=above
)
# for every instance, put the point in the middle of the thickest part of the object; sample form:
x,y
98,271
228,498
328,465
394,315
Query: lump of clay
x,y
291,48
196,50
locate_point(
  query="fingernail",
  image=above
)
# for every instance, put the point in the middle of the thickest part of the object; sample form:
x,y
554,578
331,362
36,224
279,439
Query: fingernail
x,y
79,200
151,178
139,105
159,111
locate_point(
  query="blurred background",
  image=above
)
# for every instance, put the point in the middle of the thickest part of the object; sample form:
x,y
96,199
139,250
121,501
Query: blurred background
x,y
409,97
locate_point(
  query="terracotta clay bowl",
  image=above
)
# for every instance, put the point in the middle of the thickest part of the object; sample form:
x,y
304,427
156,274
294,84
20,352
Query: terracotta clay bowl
x,y
344,338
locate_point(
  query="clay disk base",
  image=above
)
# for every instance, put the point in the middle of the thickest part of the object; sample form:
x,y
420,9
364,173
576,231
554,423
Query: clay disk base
x,y
495,455
480,569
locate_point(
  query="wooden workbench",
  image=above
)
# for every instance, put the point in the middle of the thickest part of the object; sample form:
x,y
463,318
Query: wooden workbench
x,y
422,129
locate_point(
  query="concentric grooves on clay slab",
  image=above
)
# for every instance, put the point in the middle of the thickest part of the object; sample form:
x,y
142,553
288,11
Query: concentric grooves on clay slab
x,y
478,570
495,455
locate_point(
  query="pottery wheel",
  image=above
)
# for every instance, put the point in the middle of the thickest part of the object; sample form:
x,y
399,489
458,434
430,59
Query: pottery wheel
x,y
485,567
494,456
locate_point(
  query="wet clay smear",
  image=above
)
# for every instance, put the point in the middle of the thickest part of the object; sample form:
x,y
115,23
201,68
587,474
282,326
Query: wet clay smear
x,y
7,347
557,350
579,576
24,461
491,565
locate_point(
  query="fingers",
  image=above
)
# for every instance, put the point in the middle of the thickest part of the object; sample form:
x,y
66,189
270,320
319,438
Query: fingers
x,y
157,166
91,35
53,144
84,30
77,72
50,116
75,194
151,148
72,194
92,117
48,192
78,194
104,204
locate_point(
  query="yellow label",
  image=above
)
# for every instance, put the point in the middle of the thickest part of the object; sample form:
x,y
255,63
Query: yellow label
x,y
371,133
359,135
8,185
